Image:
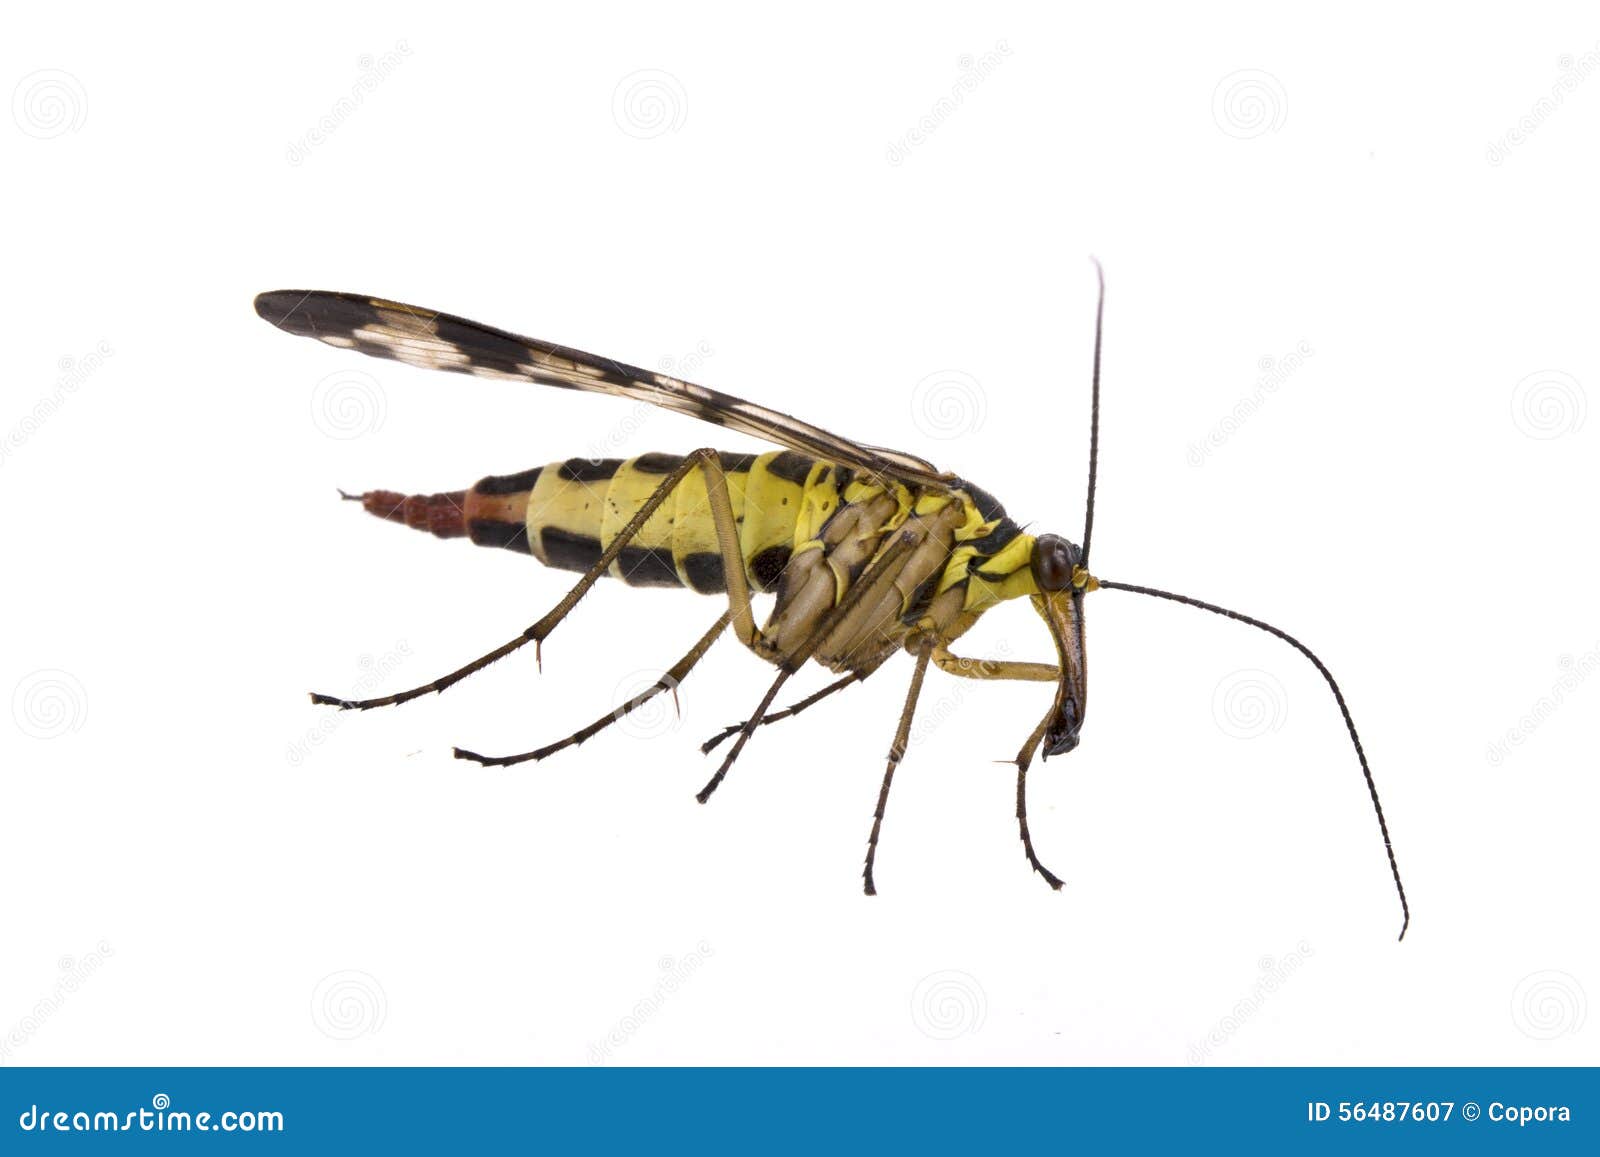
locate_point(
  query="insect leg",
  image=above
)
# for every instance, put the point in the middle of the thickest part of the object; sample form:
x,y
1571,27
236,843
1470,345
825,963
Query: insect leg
x,y
727,534
792,709
1023,761
667,682
881,570
897,751
1031,672
727,528
994,668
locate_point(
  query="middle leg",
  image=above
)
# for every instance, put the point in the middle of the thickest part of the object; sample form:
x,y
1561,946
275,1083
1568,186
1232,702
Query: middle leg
x,y
667,682
791,710
897,751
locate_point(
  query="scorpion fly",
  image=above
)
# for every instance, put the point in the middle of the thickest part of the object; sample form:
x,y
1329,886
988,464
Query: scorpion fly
x,y
869,551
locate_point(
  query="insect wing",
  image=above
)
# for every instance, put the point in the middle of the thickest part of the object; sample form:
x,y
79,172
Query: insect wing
x,y
421,337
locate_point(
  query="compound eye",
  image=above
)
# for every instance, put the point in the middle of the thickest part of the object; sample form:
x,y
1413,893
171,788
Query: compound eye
x,y
1054,559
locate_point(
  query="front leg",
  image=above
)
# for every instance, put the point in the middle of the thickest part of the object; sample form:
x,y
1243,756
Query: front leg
x,y
994,668
1025,672
1023,760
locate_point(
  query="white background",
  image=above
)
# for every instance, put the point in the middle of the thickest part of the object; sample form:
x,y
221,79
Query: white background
x,y
199,866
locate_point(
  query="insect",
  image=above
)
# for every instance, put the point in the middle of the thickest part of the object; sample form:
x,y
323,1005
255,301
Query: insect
x,y
868,551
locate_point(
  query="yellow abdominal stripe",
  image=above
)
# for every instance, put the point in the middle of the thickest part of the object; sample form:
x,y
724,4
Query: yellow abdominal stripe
x,y
682,525
595,501
769,505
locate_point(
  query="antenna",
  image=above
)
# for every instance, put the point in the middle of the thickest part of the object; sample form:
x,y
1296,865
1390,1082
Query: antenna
x,y
1338,695
1094,413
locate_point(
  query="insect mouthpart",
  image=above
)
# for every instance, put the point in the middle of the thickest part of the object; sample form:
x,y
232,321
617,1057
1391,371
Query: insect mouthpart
x,y
1062,610
1062,734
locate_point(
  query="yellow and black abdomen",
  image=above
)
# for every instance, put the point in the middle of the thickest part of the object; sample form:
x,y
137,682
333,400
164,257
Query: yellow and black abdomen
x,y
566,513
578,507
786,506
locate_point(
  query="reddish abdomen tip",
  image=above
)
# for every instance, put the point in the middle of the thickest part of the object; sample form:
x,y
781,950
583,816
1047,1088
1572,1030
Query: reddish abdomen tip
x,y
441,514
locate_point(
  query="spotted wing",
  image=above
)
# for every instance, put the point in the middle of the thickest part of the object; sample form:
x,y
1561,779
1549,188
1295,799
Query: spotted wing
x,y
421,337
